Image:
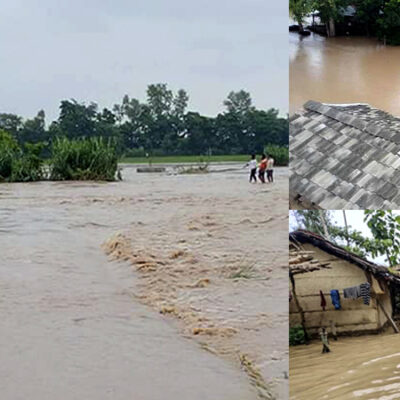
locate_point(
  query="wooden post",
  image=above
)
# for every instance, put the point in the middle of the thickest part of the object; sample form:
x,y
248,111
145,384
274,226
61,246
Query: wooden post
x,y
394,326
301,311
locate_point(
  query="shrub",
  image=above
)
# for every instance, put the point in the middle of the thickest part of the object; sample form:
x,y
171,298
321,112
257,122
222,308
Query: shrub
x,y
28,166
17,164
83,159
279,153
296,335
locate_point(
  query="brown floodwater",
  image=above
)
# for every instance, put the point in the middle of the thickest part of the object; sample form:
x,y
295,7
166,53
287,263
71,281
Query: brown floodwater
x,y
72,325
344,70
363,368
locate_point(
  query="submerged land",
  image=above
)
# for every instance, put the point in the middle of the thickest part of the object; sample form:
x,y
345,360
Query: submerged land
x,y
364,368
191,301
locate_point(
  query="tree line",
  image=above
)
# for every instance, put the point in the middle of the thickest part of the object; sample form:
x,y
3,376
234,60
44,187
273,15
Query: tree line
x,y
161,125
380,18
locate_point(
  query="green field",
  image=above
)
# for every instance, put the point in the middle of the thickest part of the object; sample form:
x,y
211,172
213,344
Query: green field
x,y
186,159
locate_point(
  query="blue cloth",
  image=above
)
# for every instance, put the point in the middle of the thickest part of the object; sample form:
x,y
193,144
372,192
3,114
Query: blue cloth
x,y
335,299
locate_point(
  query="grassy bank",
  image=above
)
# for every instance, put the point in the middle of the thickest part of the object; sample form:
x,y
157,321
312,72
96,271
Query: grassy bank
x,y
186,159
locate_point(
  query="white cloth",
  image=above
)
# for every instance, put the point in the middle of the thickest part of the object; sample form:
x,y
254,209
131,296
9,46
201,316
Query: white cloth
x,y
270,163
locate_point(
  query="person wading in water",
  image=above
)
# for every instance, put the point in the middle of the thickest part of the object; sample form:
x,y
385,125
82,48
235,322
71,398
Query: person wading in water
x,y
262,168
270,169
252,164
324,339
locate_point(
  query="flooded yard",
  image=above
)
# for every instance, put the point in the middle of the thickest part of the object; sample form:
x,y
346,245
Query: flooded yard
x,y
344,70
205,318
364,368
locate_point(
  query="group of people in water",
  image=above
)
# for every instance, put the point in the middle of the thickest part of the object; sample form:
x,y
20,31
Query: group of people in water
x,y
266,166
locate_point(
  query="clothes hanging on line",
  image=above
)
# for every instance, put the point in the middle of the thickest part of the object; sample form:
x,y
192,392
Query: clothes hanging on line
x,y
353,292
335,297
323,301
365,289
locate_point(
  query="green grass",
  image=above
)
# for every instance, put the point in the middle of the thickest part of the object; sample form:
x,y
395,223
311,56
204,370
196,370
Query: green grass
x,y
186,159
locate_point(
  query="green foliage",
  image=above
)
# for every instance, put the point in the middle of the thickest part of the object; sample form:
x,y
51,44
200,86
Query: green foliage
x,y
8,151
389,22
385,227
330,9
296,335
19,164
83,159
279,153
28,167
159,126
299,9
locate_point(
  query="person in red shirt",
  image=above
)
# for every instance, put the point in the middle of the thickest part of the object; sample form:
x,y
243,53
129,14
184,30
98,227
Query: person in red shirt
x,y
262,168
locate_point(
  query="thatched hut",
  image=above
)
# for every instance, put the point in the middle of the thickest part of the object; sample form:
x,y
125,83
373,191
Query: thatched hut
x,y
316,265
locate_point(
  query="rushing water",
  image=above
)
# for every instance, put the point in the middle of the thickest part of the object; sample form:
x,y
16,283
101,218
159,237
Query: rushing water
x,y
363,368
69,326
344,70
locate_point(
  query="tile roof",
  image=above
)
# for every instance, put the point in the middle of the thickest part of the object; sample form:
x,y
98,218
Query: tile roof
x,y
345,157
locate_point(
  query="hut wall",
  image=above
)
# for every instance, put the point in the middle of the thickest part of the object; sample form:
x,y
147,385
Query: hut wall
x,y
354,317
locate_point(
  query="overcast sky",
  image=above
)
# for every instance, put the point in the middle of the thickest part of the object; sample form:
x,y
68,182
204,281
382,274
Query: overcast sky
x,y
99,50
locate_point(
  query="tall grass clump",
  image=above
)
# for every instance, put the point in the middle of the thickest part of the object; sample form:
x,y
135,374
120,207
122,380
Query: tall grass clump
x,y
83,159
279,153
19,164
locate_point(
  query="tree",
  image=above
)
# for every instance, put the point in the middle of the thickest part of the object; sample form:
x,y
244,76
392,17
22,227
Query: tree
x,y
33,130
330,11
385,227
299,9
180,103
159,100
389,22
368,13
11,123
76,119
239,103
311,220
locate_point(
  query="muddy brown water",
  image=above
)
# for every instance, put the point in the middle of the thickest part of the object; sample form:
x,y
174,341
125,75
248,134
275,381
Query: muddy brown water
x,y
70,325
363,368
344,70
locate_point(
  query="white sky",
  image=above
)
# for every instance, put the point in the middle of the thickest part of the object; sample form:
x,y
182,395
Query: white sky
x,y
90,50
355,219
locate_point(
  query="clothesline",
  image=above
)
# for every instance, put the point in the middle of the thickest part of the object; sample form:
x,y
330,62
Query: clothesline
x,y
353,292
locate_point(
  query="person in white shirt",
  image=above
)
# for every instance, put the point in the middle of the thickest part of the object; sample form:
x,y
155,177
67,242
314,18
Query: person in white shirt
x,y
252,164
270,169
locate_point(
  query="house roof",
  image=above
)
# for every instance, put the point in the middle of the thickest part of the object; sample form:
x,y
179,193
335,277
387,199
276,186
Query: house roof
x,y
345,156
379,271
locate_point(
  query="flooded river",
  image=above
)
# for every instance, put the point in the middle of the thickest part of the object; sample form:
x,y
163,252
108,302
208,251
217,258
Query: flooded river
x,y
344,70
71,324
363,368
